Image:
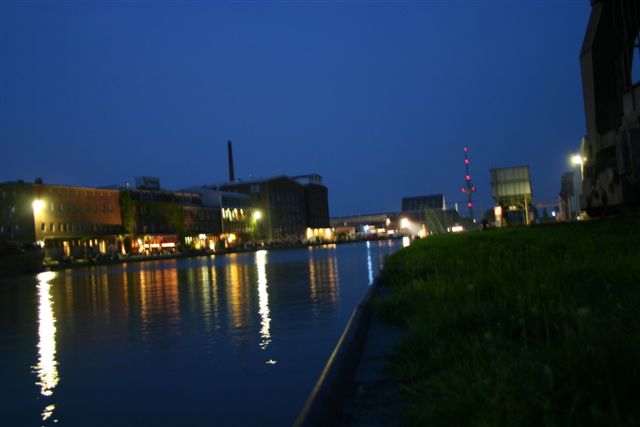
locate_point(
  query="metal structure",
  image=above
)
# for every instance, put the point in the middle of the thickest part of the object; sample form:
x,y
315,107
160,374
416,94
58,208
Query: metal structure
x,y
469,188
611,150
511,188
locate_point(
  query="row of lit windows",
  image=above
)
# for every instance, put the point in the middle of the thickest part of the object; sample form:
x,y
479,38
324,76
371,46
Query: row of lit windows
x,y
77,192
69,228
66,191
78,207
233,214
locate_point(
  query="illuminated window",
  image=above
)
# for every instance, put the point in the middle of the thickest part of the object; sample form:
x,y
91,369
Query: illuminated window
x,y
52,227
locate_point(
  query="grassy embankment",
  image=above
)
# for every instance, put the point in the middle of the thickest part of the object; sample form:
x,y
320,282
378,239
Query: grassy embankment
x,y
534,326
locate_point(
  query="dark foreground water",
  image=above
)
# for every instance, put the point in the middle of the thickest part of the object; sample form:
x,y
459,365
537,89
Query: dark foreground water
x,y
236,340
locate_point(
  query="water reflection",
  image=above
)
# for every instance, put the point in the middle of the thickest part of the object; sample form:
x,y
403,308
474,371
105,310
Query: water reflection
x,y
323,274
263,299
237,287
207,280
369,263
47,367
159,302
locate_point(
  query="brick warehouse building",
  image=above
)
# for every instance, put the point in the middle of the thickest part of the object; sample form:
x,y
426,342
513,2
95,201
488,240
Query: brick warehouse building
x,y
68,221
295,207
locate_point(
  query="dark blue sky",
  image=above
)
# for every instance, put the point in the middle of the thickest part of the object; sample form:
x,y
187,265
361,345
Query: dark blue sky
x,y
378,97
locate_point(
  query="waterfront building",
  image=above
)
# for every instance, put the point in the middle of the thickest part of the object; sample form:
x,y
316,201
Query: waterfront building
x,y
349,227
431,215
294,208
239,215
316,197
68,221
420,203
160,220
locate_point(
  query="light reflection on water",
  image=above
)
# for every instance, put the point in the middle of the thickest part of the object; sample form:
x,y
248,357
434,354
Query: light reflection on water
x,y
263,299
369,263
176,340
324,279
47,367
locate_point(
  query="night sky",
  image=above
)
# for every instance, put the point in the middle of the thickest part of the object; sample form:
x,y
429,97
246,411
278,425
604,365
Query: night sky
x,y
377,97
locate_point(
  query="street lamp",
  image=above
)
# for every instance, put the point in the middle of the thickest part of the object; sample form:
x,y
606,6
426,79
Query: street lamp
x,y
576,159
257,215
404,223
37,205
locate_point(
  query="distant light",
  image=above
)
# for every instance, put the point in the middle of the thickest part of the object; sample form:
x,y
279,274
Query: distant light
x,y
387,221
457,229
202,236
404,223
470,204
466,149
553,214
257,215
38,205
466,161
468,177
473,189
576,160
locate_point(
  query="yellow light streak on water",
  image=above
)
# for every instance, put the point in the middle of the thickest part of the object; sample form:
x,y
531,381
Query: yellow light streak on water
x,y
263,299
47,367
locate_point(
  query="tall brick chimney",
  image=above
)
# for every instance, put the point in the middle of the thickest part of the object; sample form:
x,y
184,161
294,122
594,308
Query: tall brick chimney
x,y
232,176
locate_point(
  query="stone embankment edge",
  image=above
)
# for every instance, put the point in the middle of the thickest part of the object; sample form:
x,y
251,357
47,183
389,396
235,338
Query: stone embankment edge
x,y
327,399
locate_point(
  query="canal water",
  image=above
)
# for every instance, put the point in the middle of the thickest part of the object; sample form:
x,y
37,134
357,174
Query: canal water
x,y
235,340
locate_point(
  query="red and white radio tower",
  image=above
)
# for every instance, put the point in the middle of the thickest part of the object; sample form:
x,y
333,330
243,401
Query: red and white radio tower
x,y
469,188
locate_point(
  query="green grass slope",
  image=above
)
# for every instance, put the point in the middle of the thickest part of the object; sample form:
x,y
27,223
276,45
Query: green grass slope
x,y
535,326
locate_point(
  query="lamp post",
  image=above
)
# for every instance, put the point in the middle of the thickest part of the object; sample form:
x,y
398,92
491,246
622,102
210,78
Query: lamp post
x,y
257,216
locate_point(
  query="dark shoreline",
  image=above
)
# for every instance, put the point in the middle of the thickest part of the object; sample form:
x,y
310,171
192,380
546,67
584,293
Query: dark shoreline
x,y
19,269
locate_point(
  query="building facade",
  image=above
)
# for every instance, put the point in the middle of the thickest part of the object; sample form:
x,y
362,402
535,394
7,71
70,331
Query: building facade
x,y
67,221
293,210
420,203
159,220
